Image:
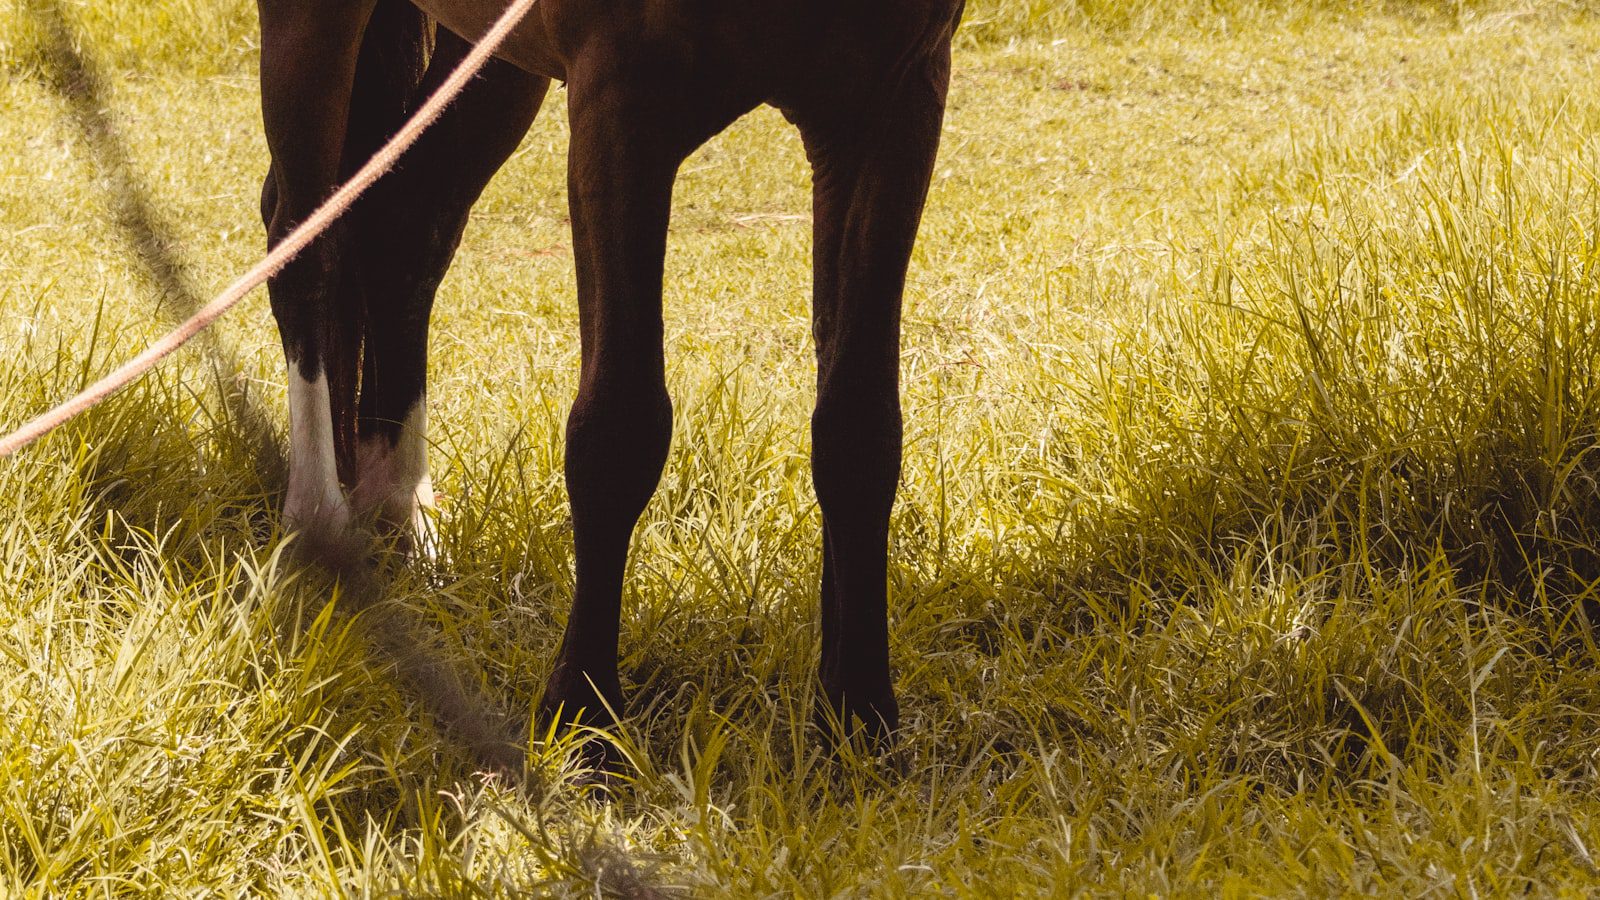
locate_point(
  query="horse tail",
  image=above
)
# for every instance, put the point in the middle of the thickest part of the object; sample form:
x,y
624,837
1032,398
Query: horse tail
x,y
388,88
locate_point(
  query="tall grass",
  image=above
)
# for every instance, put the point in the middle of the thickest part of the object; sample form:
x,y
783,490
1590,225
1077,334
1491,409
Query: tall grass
x,y
990,21
220,36
1246,542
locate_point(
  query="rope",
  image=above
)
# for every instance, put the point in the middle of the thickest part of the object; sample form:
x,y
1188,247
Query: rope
x,y
287,249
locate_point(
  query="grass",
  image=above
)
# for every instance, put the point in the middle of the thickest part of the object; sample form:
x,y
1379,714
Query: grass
x,y
1247,536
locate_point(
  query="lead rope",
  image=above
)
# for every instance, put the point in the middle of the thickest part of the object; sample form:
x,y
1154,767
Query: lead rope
x,y
287,249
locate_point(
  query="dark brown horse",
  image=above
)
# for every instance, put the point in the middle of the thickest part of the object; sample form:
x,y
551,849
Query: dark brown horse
x,y
650,81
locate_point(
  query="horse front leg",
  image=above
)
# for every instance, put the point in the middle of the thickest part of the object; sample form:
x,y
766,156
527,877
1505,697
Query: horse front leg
x,y
308,61
874,160
624,157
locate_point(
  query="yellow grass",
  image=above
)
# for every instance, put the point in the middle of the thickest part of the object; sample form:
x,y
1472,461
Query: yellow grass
x,y
1248,533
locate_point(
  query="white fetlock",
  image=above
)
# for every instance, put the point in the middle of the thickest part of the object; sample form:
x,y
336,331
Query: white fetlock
x,y
315,507
393,483
424,519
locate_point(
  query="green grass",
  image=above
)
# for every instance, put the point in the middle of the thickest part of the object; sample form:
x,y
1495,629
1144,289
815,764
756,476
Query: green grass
x,y
1248,539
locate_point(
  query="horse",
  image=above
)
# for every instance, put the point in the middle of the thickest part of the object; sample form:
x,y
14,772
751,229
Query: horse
x,y
648,81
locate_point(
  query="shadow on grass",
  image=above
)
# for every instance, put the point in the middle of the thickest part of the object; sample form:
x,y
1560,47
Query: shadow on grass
x,y
485,732
73,75
135,490
491,736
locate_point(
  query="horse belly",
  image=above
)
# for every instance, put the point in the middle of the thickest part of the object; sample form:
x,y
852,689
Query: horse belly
x,y
527,47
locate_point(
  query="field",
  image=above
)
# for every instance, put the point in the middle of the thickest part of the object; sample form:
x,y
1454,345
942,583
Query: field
x,y
1248,541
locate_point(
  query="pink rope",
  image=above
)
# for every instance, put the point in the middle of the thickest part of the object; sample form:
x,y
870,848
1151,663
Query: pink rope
x,y
287,249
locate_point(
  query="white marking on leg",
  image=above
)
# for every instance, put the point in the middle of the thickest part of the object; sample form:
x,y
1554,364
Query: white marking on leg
x,y
394,481
315,502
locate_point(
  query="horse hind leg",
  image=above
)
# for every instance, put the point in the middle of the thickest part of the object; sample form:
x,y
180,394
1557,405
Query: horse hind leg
x,y
308,63
403,240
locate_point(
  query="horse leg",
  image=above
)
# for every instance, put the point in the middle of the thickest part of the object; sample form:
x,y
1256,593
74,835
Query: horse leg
x,y
873,163
404,238
308,62
630,132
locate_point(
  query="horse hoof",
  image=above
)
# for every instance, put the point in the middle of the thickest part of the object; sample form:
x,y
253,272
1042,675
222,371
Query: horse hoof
x,y
415,537
858,719
419,538
331,541
574,704
409,517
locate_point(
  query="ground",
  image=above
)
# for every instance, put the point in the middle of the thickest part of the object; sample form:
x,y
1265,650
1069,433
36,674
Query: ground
x,y
1248,539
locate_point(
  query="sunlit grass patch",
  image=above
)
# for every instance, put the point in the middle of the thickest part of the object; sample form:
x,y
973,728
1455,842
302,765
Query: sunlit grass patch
x,y
1246,540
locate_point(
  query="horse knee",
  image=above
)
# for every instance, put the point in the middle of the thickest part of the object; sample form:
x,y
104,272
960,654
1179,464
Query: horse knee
x,y
855,457
618,435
